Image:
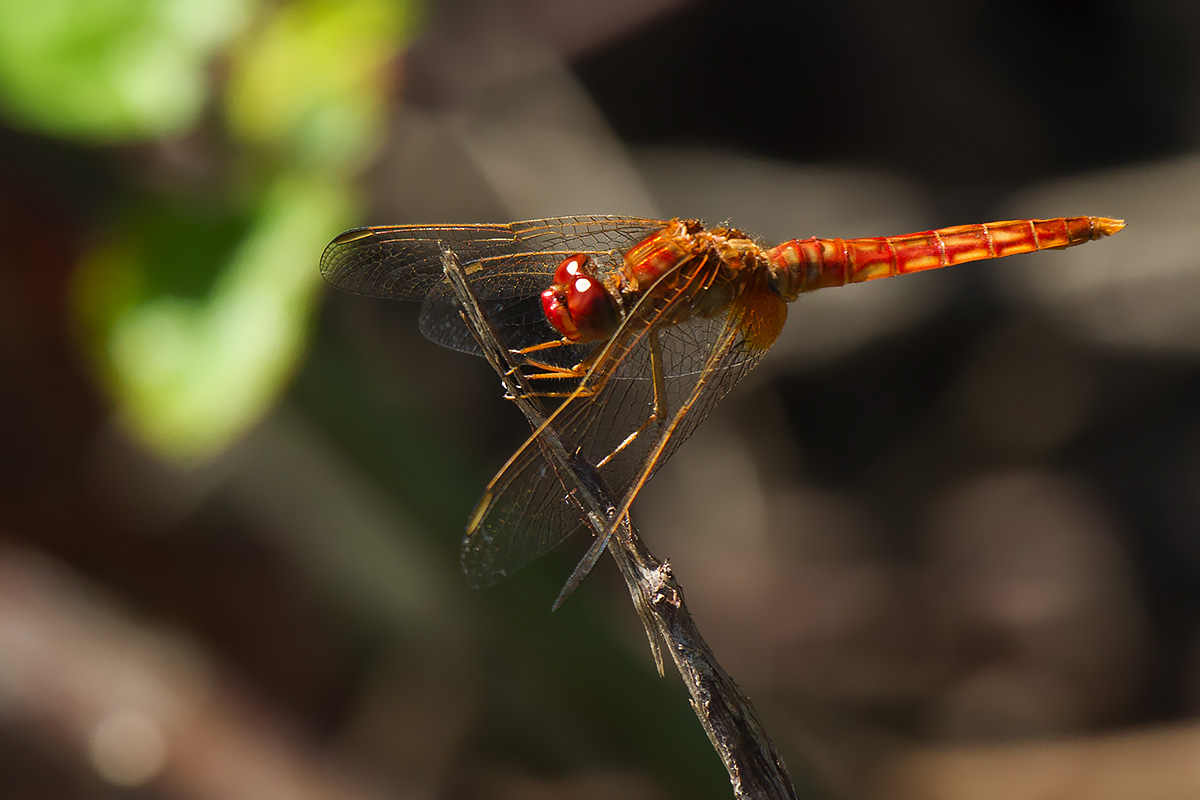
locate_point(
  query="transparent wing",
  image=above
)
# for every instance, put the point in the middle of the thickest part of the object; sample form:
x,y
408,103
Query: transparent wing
x,y
527,509
507,266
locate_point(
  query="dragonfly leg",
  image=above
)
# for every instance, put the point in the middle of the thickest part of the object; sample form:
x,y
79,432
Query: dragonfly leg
x,y
659,410
660,382
533,348
559,373
721,348
601,540
556,394
551,371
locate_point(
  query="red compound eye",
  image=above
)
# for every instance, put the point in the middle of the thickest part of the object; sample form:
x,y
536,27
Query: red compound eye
x,y
572,267
578,305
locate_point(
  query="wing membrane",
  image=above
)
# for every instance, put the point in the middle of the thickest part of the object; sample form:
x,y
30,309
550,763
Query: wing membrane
x,y
404,261
507,266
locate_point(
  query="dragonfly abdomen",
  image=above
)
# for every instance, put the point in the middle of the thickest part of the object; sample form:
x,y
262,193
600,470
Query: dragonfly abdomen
x,y
804,265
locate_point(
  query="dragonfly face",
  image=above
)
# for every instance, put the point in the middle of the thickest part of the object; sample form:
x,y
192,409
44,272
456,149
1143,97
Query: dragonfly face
x,y
577,304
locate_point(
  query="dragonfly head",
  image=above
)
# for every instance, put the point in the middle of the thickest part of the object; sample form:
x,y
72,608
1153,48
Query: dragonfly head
x,y
577,304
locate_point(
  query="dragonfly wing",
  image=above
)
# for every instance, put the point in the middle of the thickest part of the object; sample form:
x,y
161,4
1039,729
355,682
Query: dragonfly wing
x,y
404,261
528,509
507,266
524,515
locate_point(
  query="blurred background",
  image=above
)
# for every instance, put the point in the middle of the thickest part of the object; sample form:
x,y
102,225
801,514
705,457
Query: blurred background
x,y
947,536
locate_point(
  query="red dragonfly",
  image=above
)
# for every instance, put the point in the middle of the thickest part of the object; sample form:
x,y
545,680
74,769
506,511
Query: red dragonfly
x,y
638,326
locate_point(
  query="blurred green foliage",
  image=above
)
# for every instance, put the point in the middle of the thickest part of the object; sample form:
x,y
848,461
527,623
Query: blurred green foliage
x,y
111,70
194,355
315,80
195,297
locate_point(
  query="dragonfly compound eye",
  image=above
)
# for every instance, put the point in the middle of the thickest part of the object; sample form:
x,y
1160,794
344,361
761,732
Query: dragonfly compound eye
x,y
578,305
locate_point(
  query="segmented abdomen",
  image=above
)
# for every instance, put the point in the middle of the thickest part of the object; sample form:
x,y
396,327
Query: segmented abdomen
x,y
802,265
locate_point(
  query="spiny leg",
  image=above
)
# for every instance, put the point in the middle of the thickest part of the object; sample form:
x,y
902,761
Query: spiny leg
x,y
533,348
720,349
551,371
659,410
555,373
659,413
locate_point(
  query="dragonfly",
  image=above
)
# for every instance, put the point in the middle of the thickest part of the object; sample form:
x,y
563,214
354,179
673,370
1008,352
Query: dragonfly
x,y
635,329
